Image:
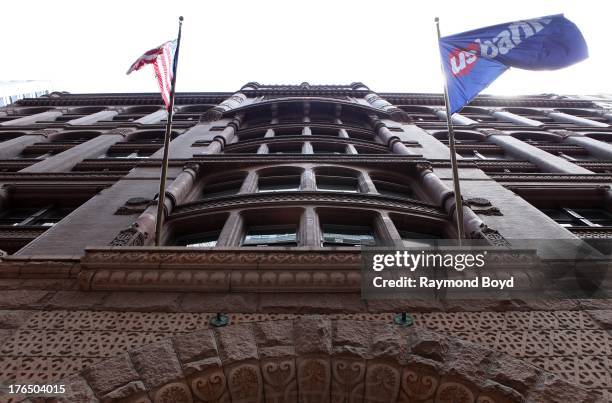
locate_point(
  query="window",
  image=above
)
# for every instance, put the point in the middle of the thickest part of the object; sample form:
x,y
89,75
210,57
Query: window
x,y
128,154
347,235
285,148
337,184
273,235
418,239
580,217
279,181
328,148
200,240
39,217
393,189
223,186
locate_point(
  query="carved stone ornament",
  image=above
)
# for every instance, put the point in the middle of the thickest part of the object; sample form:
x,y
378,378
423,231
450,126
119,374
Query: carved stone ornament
x,y
491,132
491,235
135,205
130,237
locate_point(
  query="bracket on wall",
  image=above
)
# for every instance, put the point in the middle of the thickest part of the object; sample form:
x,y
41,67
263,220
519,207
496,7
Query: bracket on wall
x,y
480,205
135,205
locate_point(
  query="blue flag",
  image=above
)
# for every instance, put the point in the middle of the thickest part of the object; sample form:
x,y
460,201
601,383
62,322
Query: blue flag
x,y
472,60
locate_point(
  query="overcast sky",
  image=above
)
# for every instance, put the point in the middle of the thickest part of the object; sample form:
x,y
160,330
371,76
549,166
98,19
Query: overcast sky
x,y
87,46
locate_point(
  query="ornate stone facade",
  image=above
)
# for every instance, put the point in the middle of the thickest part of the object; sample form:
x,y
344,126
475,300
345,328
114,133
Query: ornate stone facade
x,y
271,191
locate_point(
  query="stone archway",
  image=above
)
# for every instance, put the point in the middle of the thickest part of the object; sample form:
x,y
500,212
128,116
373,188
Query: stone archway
x,y
317,359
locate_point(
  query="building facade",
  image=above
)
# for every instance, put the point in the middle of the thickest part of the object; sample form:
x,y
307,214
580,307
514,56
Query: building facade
x,y
272,191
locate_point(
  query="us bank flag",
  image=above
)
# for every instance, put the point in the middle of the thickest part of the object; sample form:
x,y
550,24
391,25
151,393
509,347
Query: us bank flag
x,y
472,60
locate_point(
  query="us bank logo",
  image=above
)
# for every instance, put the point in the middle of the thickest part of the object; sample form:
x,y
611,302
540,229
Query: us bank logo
x,y
463,60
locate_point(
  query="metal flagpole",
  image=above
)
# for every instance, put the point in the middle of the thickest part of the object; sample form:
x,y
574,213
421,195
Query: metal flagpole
x,y
453,154
164,169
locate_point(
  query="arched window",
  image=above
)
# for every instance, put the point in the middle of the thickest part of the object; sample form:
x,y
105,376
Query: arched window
x,y
419,231
280,179
337,179
340,227
393,186
223,185
270,227
198,232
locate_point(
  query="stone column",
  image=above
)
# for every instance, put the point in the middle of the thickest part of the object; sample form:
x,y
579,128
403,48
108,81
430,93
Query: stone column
x,y
32,119
308,180
66,160
599,149
365,183
269,133
382,104
445,197
386,231
350,149
456,118
307,148
217,112
567,118
388,138
153,118
546,161
250,183
262,149
225,137
12,148
514,118
232,231
181,186
93,118
309,232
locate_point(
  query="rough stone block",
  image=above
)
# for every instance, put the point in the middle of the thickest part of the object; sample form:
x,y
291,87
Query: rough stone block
x,y
75,300
110,374
157,363
429,345
352,337
236,343
312,335
273,333
20,299
196,345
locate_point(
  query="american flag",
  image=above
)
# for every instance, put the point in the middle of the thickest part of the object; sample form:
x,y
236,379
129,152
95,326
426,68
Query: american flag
x,y
162,59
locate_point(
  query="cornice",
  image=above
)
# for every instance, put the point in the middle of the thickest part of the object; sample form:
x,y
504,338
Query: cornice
x,y
550,177
299,198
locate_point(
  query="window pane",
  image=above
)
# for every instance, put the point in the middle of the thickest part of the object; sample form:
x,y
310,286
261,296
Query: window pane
x,y
347,235
201,240
274,235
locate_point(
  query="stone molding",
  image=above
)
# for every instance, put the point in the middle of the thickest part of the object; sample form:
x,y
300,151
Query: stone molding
x,y
302,197
301,138
317,359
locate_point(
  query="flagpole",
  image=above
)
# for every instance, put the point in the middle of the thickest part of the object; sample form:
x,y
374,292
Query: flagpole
x,y
453,154
164,169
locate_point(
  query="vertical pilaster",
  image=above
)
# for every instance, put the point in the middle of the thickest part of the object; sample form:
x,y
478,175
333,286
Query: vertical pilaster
x,y
365,183
233,230
309,230
308,180
250,183
386,231
32,119
93,118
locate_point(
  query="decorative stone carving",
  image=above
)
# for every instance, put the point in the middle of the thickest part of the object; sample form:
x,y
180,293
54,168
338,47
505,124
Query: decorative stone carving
x,y
314,379
480,205
175,392
135,205
418,385
210,386
451,392
491,235
245,384
279,377
348,376
130,237
382,383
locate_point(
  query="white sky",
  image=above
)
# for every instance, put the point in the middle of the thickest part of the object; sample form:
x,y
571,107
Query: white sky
x,y
86,46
